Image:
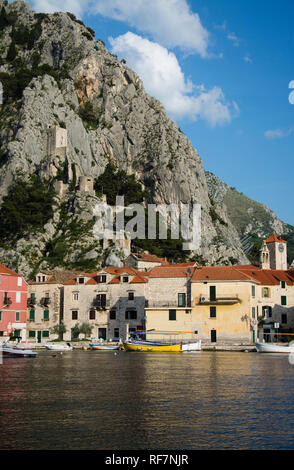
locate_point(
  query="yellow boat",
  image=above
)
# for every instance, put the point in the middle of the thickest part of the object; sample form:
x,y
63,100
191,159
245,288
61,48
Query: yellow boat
x,y
145,346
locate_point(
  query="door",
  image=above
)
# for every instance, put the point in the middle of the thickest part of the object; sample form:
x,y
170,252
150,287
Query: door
x,y
213,336
39,336
102,333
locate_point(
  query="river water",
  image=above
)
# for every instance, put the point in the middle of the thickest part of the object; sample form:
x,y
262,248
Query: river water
x,y
96,400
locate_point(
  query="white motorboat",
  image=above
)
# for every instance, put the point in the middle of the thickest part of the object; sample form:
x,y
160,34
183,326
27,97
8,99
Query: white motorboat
x,y
275,348
196,346
16,351
59,346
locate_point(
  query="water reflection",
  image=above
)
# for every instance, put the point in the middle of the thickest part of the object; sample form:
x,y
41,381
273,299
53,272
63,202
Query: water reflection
x,y
99,400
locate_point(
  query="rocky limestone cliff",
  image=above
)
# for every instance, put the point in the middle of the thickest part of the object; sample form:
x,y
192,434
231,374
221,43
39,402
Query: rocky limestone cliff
x,y
61,76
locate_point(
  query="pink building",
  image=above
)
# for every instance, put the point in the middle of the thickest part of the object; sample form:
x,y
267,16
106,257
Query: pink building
x,y
13,304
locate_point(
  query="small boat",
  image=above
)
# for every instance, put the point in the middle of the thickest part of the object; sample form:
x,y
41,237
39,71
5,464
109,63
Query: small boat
x,y
196,346
151,346
104,346
16,351
275,348
58,346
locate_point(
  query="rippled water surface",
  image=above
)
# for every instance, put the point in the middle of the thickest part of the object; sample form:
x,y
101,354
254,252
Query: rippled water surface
x,y
102,400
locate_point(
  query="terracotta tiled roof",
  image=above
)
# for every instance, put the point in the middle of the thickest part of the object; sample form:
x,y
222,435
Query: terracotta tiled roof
x,y
172,270
243,273
220,273
270,277
274,238
148,257
5,270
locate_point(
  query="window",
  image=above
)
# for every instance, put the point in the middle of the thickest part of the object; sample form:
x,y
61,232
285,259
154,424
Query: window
x,y
102,278
131,295
45,334
74,314
112,315
283,300
19,281
172,315
32,315
46,315
212,312
265,292
75,296
81,280
283,284
284,318
212,293
131,315
17,316
125,279
116,332
101,300
18,296
253,291
267,311
32,334
92,315
181,300
253,312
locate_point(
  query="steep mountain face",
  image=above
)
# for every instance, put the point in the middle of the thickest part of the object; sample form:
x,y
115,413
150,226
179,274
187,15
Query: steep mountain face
x,y
253,221
54,73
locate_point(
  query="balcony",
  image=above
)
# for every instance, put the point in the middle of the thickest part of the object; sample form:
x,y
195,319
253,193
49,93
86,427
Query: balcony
x,y
45,301
166,304
219,300
100,304
7,301
31,302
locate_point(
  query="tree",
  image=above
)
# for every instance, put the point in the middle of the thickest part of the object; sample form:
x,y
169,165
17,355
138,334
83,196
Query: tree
x,y
59,330
26,208
86,329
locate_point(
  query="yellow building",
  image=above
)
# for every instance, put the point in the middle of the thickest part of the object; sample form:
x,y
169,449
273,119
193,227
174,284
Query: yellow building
x,y
231,304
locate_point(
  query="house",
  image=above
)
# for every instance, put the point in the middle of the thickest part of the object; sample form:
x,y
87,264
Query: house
x,y
13,304
45,303
224,303
144,261
169,306
111,300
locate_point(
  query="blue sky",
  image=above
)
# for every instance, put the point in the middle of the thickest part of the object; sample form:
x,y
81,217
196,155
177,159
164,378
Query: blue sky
x,y
222,69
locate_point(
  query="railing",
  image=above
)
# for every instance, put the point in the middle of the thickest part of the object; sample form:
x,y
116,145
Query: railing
x,y
165,303
99,304
45,301
7,301
31,302
204,300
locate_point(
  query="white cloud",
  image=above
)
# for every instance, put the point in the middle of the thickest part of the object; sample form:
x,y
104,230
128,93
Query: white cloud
x,y
163,78
77,7
247,58
233,37
169,22
278,133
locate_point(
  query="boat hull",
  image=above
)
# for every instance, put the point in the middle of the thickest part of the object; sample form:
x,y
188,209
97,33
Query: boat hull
x,y
273,348
152,347
105,347
58,347
17,352
196,346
